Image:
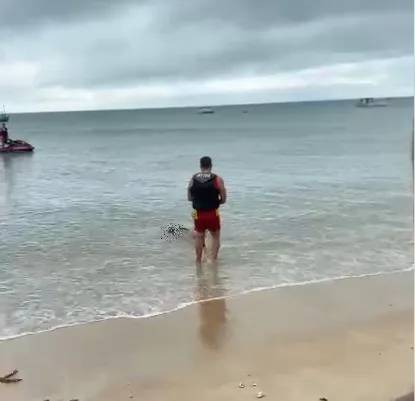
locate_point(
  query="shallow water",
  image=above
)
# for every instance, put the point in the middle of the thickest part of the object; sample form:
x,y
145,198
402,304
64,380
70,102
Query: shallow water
x,y
317,190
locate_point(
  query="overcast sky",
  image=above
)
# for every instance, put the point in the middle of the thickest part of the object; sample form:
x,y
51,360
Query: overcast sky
x,y
89,54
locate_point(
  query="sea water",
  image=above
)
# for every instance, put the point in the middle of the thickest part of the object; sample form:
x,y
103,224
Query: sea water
x,y
316,191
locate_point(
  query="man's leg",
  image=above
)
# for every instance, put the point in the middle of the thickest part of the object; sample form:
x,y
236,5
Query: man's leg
x,y
214,228
194,232
215,243
199,243
199,236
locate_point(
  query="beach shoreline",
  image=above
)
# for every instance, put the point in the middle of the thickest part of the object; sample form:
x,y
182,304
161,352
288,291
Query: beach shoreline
x,y
195,302
319,340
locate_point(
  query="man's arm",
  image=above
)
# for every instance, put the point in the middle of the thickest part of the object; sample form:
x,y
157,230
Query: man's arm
x,y
189,194
222,190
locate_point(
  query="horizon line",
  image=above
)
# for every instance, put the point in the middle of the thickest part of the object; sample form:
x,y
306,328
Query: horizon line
x,y
218,105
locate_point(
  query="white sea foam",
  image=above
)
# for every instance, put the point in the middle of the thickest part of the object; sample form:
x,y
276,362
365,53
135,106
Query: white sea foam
x,y
183,305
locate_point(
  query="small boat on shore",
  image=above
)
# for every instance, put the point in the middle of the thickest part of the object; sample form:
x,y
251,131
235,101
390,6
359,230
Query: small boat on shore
x,y
370,102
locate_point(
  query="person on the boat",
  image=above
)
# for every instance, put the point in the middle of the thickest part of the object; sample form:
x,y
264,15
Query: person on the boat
x,y
4,135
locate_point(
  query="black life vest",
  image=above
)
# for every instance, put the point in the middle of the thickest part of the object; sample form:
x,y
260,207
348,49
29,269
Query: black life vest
x,y
205,192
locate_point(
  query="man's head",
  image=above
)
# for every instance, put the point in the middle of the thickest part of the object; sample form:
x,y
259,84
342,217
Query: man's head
x,y
205,163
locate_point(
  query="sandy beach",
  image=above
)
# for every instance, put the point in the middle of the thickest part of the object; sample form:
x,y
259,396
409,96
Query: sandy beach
x,y
348,340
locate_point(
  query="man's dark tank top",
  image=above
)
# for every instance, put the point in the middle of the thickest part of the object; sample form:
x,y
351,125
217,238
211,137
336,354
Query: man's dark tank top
x,y
205,192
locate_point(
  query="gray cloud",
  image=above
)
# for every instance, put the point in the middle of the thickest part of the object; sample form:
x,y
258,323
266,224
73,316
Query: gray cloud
x,y
108,44
251,14
209,48
28,15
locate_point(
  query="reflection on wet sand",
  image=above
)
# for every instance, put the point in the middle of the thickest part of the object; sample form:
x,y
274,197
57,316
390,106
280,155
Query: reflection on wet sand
x,y
212,312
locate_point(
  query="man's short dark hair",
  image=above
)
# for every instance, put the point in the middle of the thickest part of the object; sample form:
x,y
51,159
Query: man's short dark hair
x,y
205,162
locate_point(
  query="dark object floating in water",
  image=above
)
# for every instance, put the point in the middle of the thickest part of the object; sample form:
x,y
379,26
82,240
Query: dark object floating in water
x,y
370,102
172,232
205,110
12,146
9,378
17,146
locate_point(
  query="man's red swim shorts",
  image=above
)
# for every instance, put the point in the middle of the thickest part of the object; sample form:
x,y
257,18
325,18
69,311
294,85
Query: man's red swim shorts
x,y
207,220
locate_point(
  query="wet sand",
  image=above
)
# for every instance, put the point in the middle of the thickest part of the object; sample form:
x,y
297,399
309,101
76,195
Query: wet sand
x,y
344,340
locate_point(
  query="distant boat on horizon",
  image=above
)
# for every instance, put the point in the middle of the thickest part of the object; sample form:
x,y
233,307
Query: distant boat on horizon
x,y
205,110
370,102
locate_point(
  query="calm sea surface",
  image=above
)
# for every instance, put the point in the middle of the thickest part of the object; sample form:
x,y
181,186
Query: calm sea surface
x,y
316,191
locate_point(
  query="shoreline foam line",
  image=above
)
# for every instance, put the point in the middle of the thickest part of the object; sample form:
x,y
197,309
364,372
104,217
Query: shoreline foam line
x,y
184,305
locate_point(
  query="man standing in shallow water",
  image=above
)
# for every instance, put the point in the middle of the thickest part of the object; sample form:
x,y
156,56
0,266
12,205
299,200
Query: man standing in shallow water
x,y
207,192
